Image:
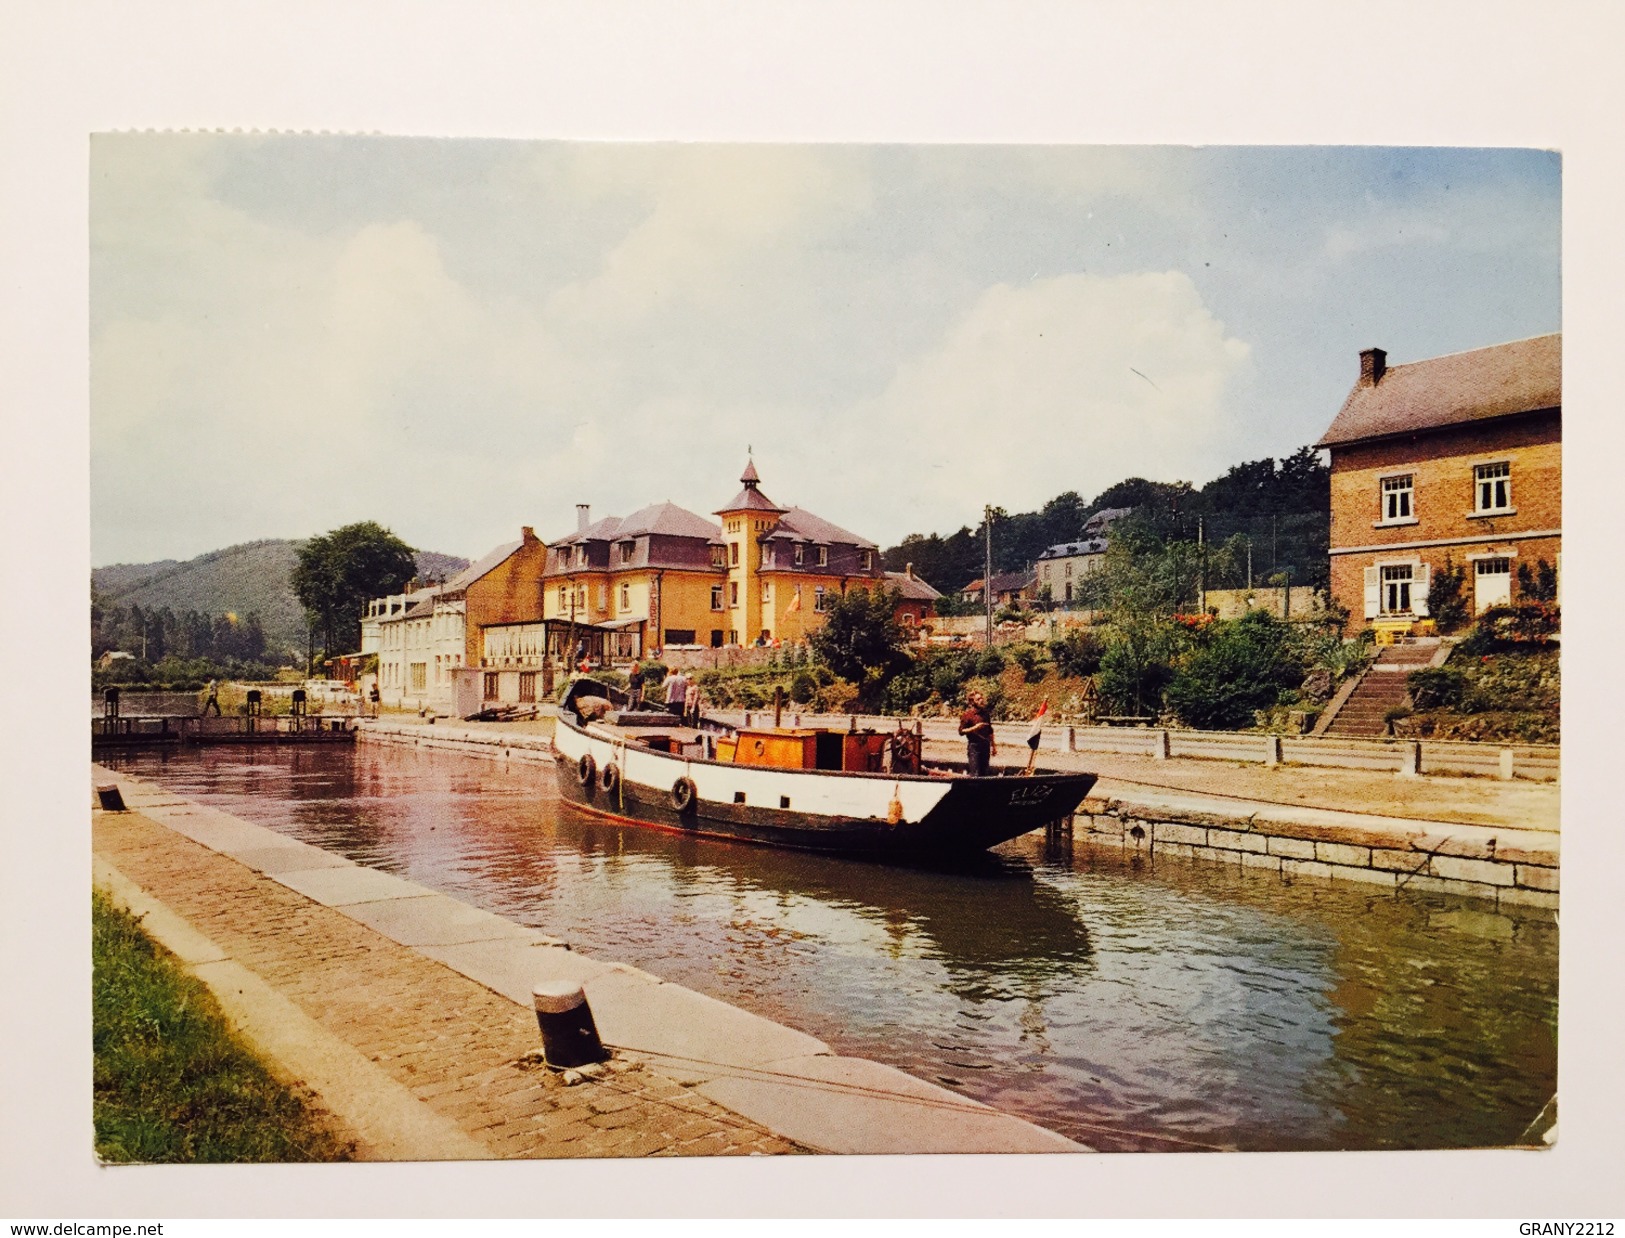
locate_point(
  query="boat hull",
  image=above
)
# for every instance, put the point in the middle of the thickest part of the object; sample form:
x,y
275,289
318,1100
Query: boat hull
x,y
812,810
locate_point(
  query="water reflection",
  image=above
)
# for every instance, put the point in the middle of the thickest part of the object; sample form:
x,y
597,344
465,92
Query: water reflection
x,y
1092,993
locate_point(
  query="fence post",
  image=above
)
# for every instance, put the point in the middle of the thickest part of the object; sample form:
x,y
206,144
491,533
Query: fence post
x,y
1071,739
1272,750
1410,758
1160,746
1506,764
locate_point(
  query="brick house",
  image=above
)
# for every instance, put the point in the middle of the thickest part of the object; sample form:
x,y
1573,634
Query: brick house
x,y
1456,458
917,601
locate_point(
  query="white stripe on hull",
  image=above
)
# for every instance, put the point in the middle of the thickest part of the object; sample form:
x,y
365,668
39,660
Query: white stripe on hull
x,y
817,793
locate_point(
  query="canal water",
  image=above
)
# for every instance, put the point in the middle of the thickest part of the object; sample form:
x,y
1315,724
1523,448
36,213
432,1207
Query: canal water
x,y
1132,1006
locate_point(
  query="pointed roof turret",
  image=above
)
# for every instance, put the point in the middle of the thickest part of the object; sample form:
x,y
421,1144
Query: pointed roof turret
x,y
751,499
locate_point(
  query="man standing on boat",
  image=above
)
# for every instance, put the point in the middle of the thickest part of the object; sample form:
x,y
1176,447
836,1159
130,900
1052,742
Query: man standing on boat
x,y
676,692
634,686
976,726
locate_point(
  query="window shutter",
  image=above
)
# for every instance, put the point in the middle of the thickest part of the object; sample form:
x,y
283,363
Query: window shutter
x,y
1373,589
1419,591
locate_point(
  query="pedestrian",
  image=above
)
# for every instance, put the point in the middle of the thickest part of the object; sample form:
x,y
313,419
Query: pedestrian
x,y
377,699
634,687
976,725
211,700
691,704
677,693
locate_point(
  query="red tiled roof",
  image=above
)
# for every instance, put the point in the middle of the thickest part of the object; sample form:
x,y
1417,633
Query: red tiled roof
x,y
911,587
1498,381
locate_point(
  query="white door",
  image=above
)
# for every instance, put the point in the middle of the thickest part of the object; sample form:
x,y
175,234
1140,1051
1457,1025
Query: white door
x,y
1492,584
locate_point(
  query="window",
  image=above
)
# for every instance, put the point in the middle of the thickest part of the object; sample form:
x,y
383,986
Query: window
x,y
733,594
1069,569
801,554
626,597
1396,498
420,675
1396,589
733,636
564,597
767,593
823,556
733,553
491,679
716,638
718,557
716,597
527,686
626,551
908,618
866,560
679,636
1492,487
603,597
818,599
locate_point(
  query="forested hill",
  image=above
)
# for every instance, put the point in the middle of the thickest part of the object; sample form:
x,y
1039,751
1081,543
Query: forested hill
x,y
248,579
1281,507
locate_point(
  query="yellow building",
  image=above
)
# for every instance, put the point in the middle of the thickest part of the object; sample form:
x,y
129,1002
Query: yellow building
x,y
785,565
664,576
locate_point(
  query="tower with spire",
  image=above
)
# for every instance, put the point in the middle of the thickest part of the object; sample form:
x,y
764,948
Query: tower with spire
x,y
745,521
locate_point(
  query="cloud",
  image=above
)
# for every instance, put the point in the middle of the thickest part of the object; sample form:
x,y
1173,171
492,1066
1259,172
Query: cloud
x,y
1034,391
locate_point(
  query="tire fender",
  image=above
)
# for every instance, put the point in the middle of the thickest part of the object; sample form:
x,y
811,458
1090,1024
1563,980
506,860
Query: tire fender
x,y
683,794
609,779
586,770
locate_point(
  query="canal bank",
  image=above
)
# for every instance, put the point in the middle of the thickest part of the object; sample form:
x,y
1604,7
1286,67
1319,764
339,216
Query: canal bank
x,y
408,1013
1473,837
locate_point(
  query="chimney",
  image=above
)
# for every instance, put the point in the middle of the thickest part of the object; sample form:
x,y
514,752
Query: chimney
x,y
908,570
1373,365
583,516
527,534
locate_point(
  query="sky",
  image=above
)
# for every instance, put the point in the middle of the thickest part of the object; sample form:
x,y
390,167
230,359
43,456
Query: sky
x,y
457,338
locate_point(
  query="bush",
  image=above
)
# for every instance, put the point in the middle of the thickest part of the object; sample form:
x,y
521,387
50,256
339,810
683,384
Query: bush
x,y
1077,654
1030,658
1501,629
990,663
654,674
1437,687
802,687
1247,665
1539,585
1132,676
1447,599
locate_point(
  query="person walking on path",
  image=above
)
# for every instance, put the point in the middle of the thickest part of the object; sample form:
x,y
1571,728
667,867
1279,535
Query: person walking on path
x,y
977,727
377,699
634,687
211,700
677,693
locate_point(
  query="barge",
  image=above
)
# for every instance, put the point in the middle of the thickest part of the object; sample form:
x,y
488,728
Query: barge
x,y
858,792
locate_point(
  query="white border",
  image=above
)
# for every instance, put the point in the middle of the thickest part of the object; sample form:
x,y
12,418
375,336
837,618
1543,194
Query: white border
x,y
1451,72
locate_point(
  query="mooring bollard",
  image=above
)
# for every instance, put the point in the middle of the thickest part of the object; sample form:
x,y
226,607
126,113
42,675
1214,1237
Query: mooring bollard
x,y
569,1035
111,798
1071,739
1272,750
1160,746
1410,757
1506,764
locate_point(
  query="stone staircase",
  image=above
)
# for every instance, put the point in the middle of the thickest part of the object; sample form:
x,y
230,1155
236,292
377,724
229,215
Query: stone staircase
x,y
1381,689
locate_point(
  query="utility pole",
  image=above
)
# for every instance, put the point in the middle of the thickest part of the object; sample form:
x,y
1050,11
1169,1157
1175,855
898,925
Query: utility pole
x,y
1201,568
987,571
1249,562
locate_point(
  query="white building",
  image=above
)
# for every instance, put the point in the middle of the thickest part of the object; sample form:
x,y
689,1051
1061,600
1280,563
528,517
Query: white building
x,y
419,638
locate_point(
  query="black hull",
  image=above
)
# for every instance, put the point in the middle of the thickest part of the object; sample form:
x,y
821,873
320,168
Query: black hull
x,y
975,814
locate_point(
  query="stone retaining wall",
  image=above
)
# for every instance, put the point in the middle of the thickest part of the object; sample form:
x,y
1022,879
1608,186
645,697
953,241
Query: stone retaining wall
x,y
499,745
1516,866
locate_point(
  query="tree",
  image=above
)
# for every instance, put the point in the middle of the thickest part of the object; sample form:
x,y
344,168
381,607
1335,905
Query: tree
x,y
1245,665
339,572
861,640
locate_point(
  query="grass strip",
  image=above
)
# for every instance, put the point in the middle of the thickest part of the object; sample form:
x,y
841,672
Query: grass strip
x,y
173,1083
